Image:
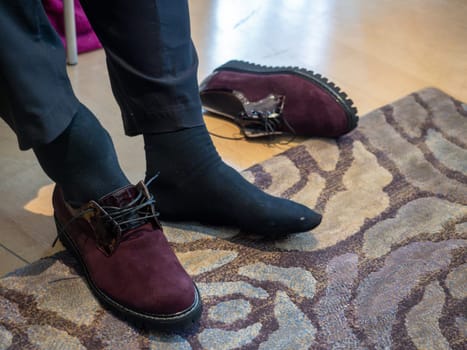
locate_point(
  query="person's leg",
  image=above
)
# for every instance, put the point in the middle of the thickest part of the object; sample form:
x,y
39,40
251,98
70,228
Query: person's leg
x,y
82,160
114,233
153,66
37,101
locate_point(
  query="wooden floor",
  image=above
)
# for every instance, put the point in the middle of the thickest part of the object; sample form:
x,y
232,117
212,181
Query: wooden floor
x,y
377,51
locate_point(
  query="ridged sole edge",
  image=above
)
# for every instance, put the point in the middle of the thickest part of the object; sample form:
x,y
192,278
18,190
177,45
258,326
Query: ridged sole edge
x,y
182,320
340,96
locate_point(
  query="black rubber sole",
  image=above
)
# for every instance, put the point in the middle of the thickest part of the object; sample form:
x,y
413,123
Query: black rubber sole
x,y
179,321
317,79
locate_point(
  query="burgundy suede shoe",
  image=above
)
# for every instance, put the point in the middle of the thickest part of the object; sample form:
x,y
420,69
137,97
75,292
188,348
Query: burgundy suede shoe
x,y
278,100
126,259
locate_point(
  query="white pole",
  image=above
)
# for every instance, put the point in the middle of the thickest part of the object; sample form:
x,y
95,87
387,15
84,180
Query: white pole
x,y
70,32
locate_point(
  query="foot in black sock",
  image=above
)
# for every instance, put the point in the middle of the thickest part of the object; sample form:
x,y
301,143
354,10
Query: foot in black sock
x,y
82,160
195,184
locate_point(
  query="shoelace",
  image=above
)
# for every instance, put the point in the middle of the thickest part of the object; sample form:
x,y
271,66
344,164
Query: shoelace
x,y
268,126
263,117
134,214
271,122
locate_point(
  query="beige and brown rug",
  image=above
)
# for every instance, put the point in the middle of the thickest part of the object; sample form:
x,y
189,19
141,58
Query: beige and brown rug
x,y
386,269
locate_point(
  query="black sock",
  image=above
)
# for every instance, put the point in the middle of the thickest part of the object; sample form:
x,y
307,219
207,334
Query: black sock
x,y
195,184
82,160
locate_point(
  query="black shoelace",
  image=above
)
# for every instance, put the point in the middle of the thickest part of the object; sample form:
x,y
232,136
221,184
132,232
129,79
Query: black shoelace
x,y
135,213
261,118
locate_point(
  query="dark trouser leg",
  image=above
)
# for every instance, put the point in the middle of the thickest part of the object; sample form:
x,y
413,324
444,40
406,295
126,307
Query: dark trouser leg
x,y
151,61
37,101
152,66
36,98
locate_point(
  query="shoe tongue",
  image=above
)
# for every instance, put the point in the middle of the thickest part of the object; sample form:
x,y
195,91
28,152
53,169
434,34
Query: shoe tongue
x,y
120,197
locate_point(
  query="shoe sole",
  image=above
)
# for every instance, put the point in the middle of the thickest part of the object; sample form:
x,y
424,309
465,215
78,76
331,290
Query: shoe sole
x,y
181,320
340,97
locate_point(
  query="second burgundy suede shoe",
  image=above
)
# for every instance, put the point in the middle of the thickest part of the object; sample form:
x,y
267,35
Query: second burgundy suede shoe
x,y
126,259
278,100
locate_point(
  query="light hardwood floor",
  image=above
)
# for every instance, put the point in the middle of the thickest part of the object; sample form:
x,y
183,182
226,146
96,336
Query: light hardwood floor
x,y
377,51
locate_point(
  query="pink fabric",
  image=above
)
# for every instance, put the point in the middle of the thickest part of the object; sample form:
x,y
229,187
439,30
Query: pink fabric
x,y
87,39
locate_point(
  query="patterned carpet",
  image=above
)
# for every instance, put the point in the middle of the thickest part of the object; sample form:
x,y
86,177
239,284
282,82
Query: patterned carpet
x,y
386,269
